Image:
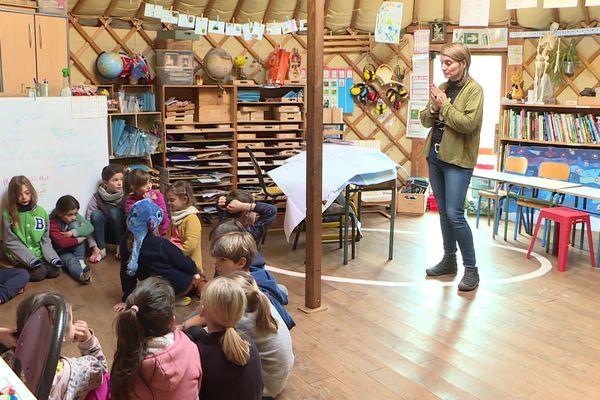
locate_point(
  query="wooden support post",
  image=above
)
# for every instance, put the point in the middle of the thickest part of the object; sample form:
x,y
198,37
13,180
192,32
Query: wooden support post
x,y
314,154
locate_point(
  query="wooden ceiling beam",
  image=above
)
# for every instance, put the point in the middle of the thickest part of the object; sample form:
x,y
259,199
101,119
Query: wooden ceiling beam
x,y
209,7
238,8
297,9
355,13
175,5
110,8
76,7
585,11
267,11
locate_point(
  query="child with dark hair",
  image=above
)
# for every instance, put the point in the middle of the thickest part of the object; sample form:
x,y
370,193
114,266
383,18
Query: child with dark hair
x,y
139,187
106,212
75,376
153,360
145,255
255,216
27,242
69,231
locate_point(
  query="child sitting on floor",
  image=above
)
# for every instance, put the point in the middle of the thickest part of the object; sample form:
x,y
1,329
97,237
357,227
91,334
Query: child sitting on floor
x,y
277,293
256,217
153,360
185,230
25,230
230,362
139,185
106,212
75,376
69,231
145,255
272,338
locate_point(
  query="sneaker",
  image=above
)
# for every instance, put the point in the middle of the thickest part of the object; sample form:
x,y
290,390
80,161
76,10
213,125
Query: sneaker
x,y
470,280
445,267
86,273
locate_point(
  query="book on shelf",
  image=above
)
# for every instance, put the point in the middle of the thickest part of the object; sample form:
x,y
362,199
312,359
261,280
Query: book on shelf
x,y
550,126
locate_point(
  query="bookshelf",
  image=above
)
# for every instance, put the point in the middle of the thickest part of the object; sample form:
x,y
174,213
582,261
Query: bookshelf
x,y
548,125
272,125
200,141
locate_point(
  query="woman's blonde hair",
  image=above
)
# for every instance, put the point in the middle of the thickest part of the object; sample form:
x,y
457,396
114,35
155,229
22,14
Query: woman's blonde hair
x,y
224,303
461,53
14,190
235,245
256,301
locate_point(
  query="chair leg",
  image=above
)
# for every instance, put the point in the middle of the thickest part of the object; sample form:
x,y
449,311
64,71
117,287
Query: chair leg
x,y
353,240
298,229
478,212
517,222
545,231
534,237
498,212
506,212
489,212
590,242
563,245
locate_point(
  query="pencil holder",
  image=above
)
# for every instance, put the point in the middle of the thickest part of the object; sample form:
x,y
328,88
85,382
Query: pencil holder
x,y
42,89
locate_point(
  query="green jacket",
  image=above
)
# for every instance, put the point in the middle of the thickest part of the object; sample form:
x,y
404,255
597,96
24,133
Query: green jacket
x,y
30,239
463,118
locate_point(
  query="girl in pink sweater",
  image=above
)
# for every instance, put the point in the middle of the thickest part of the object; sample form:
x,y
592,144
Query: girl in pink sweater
x,y
153,360
137,183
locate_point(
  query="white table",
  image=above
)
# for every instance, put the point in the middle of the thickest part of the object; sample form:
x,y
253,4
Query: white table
x,y
532,182
342,165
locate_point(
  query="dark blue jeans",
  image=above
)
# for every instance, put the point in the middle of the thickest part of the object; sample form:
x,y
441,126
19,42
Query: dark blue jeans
x,y
12,280
71,257
450,184
113,224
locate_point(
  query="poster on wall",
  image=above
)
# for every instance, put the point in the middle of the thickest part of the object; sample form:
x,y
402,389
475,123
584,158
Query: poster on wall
x,y
515,55
388,22
474,12
414,128
419,80
488,38
421,45
560,3
515,4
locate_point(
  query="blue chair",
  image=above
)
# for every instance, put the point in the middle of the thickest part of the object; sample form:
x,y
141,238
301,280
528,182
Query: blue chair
x,y
515,165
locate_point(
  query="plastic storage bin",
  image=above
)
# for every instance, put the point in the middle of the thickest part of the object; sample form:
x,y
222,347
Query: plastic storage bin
x,y
175,58
175,75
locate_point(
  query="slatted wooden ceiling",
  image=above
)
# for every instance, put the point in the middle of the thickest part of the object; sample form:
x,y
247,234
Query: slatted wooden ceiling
x,y
340,14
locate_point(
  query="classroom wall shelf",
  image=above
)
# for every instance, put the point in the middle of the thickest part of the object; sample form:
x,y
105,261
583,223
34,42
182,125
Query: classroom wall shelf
x,y
548,125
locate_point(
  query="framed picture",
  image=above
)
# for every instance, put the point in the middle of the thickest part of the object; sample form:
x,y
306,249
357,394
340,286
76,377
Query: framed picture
x,y
437,32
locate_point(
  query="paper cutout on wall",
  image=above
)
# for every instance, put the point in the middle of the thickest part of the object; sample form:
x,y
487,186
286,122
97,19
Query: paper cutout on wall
x,y
515,4
186,21
201,27
388,22
216,27
560,3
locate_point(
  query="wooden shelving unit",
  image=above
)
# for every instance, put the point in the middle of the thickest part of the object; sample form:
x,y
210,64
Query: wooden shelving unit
x,y
200,140
272,135
548,125
145,120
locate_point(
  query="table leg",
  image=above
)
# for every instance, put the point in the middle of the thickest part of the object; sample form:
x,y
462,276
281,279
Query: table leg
x,y
346,216
392,218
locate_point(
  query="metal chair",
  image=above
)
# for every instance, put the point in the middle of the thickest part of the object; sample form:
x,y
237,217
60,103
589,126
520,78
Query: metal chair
x,y
550,170
515,165
39,344
271,192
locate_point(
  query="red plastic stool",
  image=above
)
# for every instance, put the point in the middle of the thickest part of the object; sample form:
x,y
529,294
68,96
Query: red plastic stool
x,y
566,217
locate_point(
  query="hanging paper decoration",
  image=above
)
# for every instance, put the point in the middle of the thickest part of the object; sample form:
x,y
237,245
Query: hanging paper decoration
x,y
388,23
201,27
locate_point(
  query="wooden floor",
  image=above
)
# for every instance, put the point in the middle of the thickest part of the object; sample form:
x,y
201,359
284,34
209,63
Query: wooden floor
x,y
534,339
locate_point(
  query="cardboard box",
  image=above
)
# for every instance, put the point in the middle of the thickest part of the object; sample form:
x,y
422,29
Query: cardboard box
x,y
337,115
327,114
411,203
173,44
588,101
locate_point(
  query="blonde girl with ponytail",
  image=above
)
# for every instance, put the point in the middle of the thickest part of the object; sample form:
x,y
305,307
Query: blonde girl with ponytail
x,y
270,334
230,360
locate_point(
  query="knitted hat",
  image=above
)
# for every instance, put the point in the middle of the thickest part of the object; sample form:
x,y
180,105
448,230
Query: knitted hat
x,y
145,216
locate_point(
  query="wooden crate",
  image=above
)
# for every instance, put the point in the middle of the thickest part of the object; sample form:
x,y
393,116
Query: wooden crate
x,y
285,136
287,109
286,116
179,118
173,107
246,135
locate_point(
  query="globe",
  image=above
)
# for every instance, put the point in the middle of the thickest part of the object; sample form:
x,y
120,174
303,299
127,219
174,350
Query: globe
x,y
218,64
109,65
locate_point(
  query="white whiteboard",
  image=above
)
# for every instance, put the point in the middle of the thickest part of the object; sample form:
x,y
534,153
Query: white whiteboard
x,y
59,143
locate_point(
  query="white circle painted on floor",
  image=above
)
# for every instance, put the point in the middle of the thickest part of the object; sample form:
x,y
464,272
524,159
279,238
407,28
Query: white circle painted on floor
x,y
545,267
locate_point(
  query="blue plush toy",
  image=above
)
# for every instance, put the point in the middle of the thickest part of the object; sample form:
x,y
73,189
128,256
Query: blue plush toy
x,y
145,216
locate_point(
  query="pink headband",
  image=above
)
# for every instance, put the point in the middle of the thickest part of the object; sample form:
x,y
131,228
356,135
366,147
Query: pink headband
x,y
135,308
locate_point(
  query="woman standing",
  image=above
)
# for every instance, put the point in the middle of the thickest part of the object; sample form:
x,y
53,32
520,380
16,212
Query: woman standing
x,y
454,114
